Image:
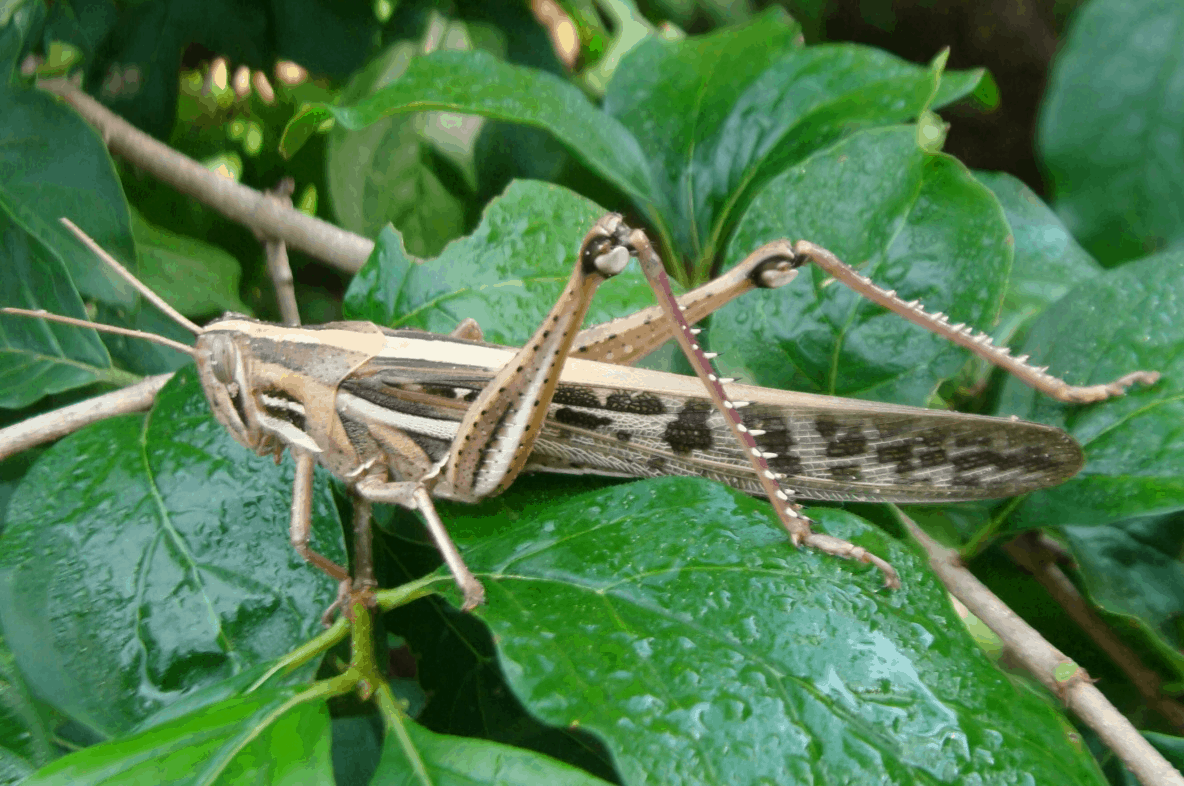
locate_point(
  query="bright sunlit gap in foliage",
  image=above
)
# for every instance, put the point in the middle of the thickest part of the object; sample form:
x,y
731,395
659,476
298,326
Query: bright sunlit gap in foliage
x,y
227,165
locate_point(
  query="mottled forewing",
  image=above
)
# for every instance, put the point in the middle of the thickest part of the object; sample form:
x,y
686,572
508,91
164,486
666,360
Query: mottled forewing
x,y
826,448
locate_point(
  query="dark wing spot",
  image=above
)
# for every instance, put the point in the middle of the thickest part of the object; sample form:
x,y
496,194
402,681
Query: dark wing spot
x,y
968,462
786,463
900,454
853,443
572,417
576,397
891,454
888,430
845,472
826,427
640,404
776,439
933,438
932,458
443,391
1028,459
689,431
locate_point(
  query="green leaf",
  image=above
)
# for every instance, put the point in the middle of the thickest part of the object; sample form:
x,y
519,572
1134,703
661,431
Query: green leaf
x,y
477,83
13,768
1048,261
1132,568
251,739
719,115
39,358
196,278
506,275
385,172
675,97
415,755
52,164
914,222
672,619
1111,130
1121,321
153,550
24,735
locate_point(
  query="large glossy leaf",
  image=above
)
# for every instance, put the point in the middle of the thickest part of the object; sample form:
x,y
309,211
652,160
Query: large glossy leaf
x,y
52,164
718,115
478,83
242,740
1048,261
506,275
672,618
1111,130
422,758
675,96
386,172
153,550
1115,323
38,357
24,736
712,118
196,278
913,221
1132,568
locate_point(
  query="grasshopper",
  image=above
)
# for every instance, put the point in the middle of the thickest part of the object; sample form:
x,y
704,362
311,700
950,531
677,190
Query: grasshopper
x,y
404,417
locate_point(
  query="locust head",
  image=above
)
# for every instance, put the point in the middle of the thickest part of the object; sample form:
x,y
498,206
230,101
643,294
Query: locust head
x,y
223,376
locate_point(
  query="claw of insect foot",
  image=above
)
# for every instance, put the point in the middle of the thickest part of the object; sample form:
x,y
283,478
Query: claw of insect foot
x,y
474,597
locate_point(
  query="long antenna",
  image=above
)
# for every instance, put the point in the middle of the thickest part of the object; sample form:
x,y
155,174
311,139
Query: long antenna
x,y
153,298
42,314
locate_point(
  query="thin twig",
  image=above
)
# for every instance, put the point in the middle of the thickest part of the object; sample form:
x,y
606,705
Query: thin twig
x,y
67,420
1042,659
277,257
1034,557
335,246
126,275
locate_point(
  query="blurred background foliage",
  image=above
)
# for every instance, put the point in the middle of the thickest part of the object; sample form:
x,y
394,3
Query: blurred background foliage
x,y
431,175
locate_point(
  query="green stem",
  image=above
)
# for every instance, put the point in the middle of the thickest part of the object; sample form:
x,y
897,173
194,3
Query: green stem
x,y
987,533
305,652
412,590
362,650
387,600
362,674
393,718
318,691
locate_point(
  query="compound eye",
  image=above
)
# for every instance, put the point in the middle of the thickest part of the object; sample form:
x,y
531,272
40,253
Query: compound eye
x,y
593,250
222,357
